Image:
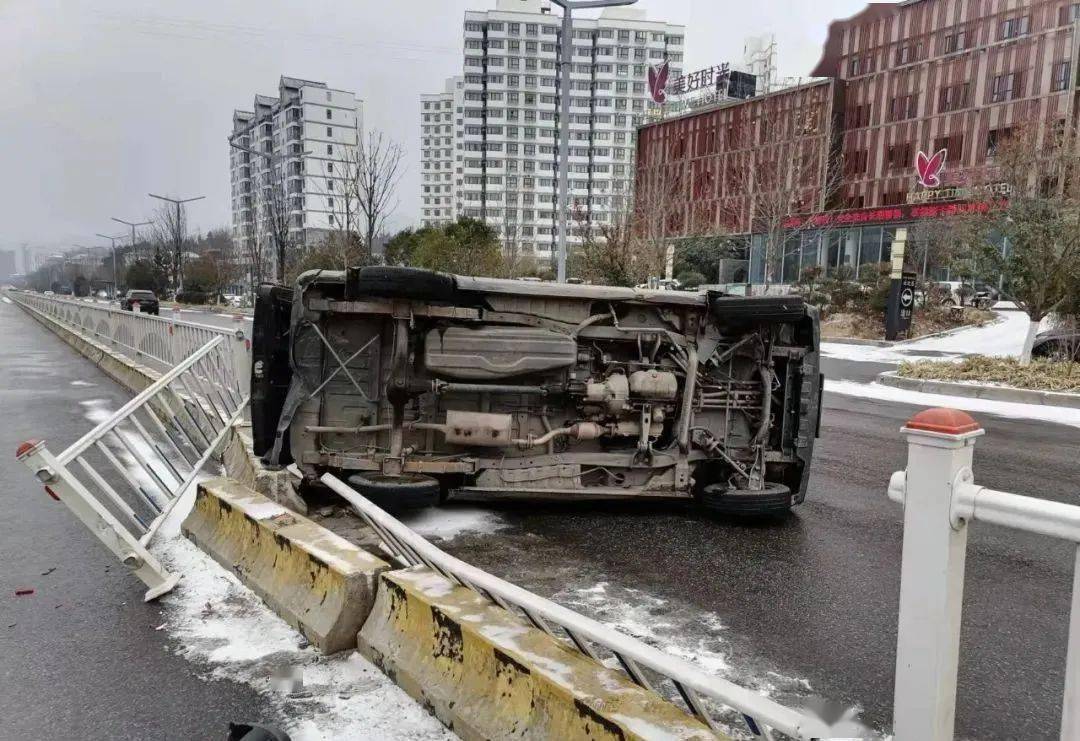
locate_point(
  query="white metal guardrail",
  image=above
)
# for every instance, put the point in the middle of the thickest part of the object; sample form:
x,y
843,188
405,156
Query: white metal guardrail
x,y
940,500
643,663
163,341
123,478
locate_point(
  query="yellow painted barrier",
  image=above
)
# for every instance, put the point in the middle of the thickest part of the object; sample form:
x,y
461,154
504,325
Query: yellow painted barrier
x,y
320,583
489,675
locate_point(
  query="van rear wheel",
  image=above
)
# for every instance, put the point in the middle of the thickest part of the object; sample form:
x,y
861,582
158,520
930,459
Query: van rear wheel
x,y
396,493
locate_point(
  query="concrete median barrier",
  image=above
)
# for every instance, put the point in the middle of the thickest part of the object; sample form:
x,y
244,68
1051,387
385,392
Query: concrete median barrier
x,y
488,674
318,582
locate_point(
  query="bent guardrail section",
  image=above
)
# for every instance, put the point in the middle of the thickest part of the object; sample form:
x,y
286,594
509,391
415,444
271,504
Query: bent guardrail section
x,y
762,715
940,500
123,477
163,341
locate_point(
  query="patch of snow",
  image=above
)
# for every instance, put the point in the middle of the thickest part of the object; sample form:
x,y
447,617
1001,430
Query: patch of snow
x,y
446,523
1009,409
6,300
221,626
82,383
265,510
1002,338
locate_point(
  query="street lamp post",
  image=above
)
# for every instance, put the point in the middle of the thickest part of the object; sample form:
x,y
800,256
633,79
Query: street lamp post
x,y
566,63
132,224
178,202
112,244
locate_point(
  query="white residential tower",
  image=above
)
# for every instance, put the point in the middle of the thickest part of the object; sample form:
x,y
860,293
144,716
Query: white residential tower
x,y
505,120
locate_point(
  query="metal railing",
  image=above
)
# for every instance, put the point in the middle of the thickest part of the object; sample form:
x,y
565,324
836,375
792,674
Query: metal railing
x,y
163,342
123,478
644,664
940,500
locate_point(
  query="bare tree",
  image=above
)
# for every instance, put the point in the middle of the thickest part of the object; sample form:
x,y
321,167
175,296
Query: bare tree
x,y
790,167
169,229
373,171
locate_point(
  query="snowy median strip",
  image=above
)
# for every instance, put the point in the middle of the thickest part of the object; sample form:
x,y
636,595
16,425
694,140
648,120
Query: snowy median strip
x,y
1012,410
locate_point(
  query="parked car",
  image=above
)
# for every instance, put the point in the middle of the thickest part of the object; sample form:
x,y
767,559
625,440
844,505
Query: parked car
x,y
1057,344
146,302
485,388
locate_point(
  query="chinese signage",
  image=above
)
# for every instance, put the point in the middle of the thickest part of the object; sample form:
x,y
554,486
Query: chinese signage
x,y
711,77
886,214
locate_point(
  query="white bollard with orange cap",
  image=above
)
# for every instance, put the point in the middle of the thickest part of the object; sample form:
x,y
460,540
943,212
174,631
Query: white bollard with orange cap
x,y
940,447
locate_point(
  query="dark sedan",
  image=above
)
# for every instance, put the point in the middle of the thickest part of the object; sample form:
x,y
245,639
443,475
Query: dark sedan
x,y
146,302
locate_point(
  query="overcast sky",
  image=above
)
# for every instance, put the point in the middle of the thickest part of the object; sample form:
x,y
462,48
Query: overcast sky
x,y
106,100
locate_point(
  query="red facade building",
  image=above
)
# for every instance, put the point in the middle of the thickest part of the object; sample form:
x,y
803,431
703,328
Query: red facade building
x,y
895,80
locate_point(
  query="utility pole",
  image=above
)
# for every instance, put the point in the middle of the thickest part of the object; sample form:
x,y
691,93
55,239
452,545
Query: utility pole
x,y
566,64
179,235
112,243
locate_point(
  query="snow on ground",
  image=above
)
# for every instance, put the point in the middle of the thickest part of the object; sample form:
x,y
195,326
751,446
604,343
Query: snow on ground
x,y
1002,338
1010,409
224,629
82,383
6,300
446,523
698,637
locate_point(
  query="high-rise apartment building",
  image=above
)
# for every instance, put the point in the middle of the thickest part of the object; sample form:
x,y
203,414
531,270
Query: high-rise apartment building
x,y
506,120
302,143
441,133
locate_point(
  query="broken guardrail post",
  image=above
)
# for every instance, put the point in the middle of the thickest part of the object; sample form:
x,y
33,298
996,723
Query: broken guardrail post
x,y
940,447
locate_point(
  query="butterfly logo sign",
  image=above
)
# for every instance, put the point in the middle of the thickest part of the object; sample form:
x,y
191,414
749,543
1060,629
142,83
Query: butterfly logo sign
x,y
658,79
929,169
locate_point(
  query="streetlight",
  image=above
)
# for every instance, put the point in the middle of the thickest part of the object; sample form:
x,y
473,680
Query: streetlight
x,y
132,224
566,63
179,235
112,242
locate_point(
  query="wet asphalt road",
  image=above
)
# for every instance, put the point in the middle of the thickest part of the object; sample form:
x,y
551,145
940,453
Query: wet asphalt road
x,y
815,597
80,658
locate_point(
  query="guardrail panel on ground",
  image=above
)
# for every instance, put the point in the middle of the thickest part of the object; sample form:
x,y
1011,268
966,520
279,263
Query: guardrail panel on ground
x,y
124,477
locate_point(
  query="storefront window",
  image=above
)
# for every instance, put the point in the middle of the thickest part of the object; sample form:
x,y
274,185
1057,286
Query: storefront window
x,y
834,251
888,234
757,258
791,259
810,249
869,250
849,248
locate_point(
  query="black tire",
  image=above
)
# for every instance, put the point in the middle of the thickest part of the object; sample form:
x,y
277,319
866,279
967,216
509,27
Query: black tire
x,y
775,500
395,493
757,308
398,282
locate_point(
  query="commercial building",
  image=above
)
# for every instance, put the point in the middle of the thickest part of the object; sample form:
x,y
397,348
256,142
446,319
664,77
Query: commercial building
x,y
7,265
505,120
896,80
302,144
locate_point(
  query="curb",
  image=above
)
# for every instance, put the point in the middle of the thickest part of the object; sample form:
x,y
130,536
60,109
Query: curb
x,y
316,581
993,393
487,674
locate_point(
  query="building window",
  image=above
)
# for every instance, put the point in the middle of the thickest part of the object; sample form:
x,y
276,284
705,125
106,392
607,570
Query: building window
x,y
1005,87
329,131
954,97
857,116
955,41
898,156
1070,13
1013,27
902,107
329,114
953,146
994,138
855,162
329,148
1059,76
908,53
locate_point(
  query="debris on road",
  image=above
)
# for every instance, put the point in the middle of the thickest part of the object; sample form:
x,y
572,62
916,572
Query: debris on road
x,y
23,592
